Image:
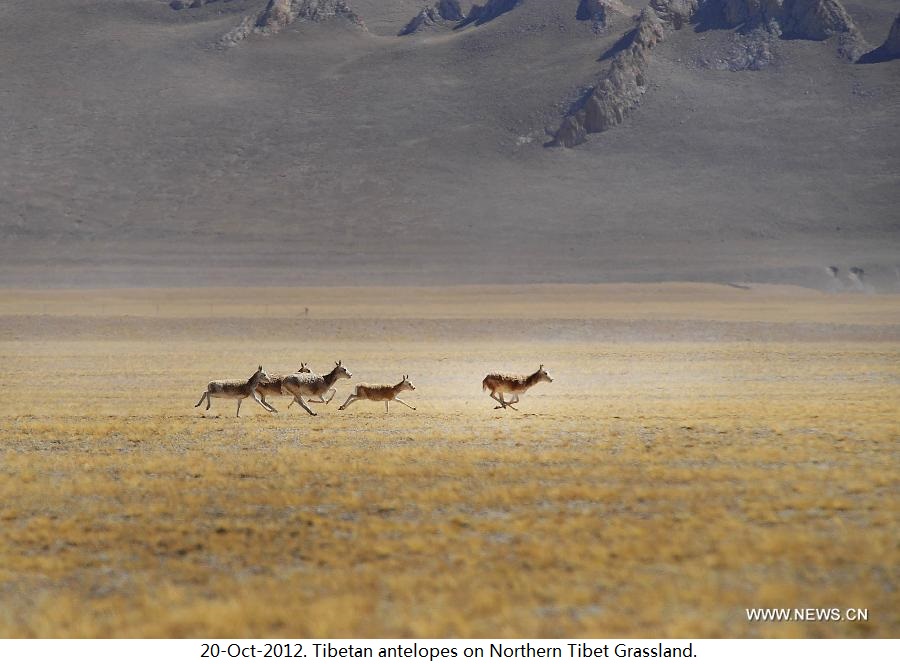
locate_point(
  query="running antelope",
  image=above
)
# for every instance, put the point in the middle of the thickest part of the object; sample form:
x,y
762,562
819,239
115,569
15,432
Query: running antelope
x,y
313,385
515,384
386,393
236,389
273,386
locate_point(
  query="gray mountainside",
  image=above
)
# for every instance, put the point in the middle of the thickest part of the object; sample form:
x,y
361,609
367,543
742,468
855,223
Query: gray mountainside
x,y
720,140
620,88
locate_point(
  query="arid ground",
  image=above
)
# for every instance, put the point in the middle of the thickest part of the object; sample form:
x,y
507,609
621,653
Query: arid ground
x,y
703,449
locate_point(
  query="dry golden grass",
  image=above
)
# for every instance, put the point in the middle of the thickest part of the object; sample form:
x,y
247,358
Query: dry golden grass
x,y
656,488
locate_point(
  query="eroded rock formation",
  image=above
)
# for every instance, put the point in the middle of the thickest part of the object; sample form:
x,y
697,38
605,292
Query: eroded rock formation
x,y
795,19
619,90
675,13
598,12
280,13
442,12
760,21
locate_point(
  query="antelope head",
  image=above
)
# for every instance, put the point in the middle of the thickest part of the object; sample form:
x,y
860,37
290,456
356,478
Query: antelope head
x,y
341,370
542,375
259,375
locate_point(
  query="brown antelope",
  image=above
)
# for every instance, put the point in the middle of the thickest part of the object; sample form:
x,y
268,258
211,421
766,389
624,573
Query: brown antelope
x,y
386,393
273,386
236,389
313,385
515,384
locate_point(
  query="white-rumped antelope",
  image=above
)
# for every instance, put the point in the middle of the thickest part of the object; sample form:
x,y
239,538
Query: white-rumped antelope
x,y
515,384
385,392
236,389
272,387
311,385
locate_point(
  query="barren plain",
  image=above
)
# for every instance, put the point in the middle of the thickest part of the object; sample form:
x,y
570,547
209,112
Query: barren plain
x,y
703,449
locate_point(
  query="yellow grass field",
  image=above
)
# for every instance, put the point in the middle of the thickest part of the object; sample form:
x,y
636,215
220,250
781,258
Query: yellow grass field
x,y
702,450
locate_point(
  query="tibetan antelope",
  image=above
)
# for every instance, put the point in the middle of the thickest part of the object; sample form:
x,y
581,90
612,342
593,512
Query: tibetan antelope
x,y
236,389
313,385
515,384
386,393
272,387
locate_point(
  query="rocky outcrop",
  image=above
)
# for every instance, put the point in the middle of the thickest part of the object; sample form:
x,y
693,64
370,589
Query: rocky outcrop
x,y
598,12
281,13
442,13
794,19
815,19
675,13
740,12
802,19
618,91
760,22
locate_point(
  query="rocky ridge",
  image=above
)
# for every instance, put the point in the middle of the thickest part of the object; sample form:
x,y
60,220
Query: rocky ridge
x,y
281,13
675,13
794,19
757,22
442,12
278,14
598,12
618,90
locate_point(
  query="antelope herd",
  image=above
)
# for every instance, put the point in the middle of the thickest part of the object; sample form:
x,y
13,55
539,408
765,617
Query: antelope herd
x,y
320,388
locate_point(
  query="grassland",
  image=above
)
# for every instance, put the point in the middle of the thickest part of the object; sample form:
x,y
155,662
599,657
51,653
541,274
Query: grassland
x,y
702,450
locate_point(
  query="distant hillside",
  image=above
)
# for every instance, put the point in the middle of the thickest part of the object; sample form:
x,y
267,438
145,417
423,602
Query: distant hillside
x,y
301,142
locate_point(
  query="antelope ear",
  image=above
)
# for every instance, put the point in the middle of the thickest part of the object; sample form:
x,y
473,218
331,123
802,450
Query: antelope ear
x,y
260,368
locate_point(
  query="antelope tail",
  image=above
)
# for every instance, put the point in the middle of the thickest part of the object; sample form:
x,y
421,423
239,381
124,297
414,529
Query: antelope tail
x,y
484,385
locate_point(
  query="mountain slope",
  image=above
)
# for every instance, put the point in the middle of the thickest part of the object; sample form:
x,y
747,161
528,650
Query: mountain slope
x,y
136,150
